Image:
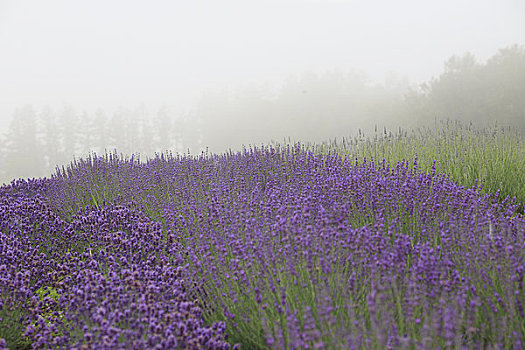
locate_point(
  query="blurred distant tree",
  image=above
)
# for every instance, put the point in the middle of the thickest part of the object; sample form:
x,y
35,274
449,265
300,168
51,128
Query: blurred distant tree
x,y
5,176
146,141
86,135
216,122
164,130
133,130
456,93
178,129
68,122
100,131
296,106
3,166
116,132
385,104
505,87
471,91
23,151
308,108
50,139
190,133
253,115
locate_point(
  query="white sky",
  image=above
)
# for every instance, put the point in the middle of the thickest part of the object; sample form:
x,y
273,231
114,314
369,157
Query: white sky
x,y
110,53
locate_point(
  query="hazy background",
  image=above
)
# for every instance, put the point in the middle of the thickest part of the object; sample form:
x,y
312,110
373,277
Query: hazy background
x,y
190,74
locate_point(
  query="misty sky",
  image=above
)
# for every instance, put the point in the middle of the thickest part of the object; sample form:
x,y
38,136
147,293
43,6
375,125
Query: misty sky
x,y
110,53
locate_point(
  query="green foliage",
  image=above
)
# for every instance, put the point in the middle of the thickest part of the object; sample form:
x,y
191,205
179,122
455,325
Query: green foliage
x,y
11,329
471,91
493,156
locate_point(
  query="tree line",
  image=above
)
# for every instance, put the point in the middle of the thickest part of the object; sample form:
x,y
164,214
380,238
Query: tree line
x,y
36,142
317,108
309,107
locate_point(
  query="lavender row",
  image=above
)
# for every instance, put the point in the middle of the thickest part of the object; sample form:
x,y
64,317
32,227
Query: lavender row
x,y
289,249
97,281
299,247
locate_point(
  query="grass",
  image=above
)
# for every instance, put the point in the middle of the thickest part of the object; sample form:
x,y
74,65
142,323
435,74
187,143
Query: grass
x,y
494,156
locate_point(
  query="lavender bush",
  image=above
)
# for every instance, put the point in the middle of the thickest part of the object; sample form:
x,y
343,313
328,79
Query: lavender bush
x,y
96,281
267,248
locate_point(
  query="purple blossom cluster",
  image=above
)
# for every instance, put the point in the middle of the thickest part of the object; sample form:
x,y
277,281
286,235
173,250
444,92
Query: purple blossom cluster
x,y
277,248
97,281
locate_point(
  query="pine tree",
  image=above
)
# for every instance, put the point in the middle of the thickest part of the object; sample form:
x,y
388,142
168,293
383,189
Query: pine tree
x,y
51,142
100,137
23,155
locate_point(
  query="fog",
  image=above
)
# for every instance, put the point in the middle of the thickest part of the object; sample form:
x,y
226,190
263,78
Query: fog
x,y
177,56
91,54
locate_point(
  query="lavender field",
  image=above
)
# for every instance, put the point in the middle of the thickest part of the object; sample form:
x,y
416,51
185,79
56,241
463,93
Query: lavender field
x,y
270,248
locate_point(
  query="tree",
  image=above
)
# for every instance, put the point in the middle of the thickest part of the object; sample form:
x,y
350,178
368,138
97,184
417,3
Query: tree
x,y
472,91
86,135
69,132
505,76
100,140
116,131
23,156
163,129
50,140
148,144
